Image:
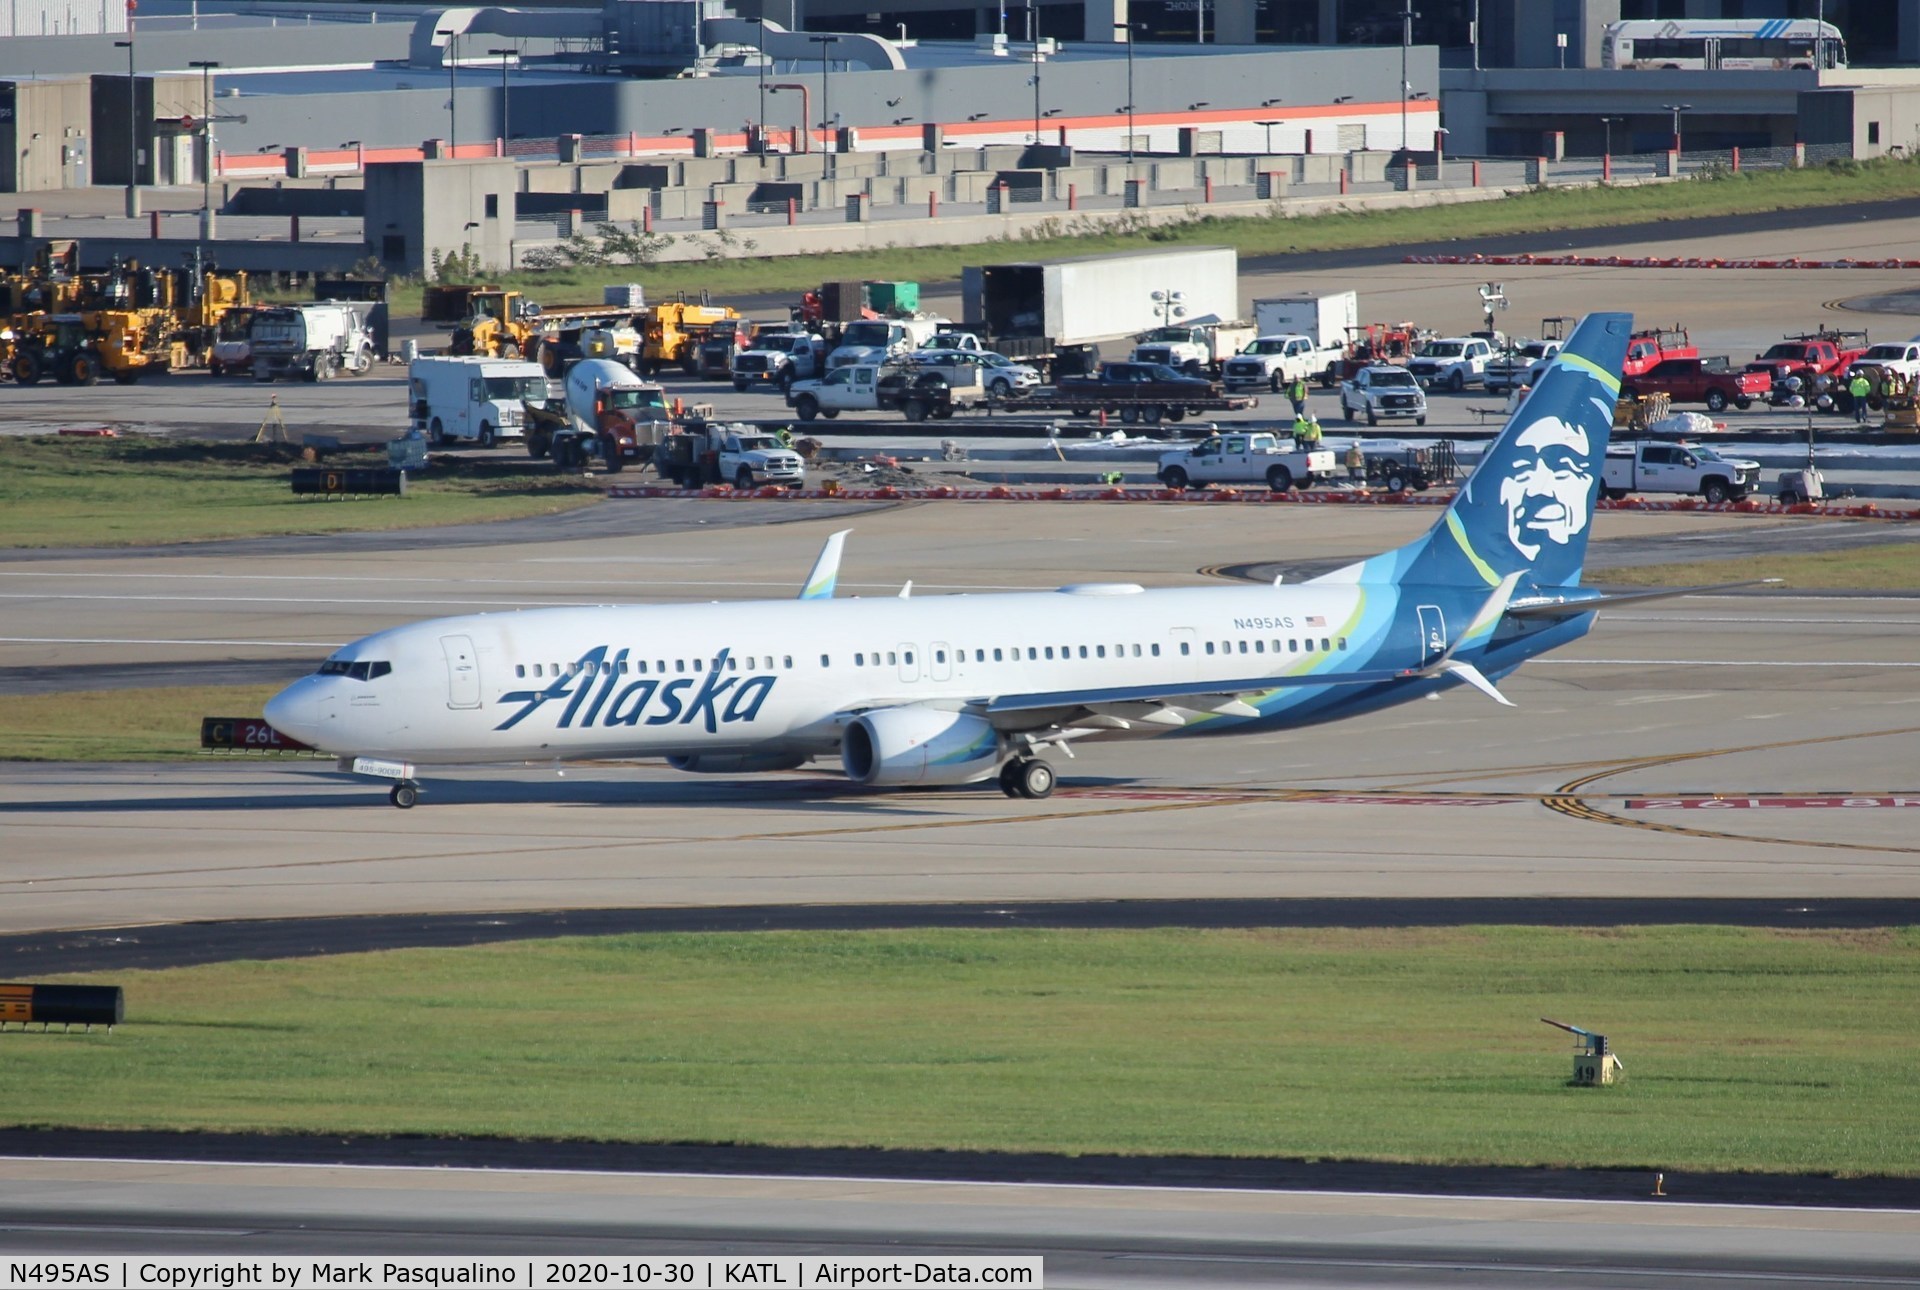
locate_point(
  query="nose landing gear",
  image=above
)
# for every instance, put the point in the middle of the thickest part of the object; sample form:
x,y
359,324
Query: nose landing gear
x,y
1028,777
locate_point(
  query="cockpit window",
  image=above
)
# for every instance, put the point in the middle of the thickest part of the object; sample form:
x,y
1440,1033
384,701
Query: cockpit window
x,y
359,670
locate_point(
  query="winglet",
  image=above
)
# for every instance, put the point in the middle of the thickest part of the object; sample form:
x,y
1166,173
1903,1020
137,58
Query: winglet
x,y
826,569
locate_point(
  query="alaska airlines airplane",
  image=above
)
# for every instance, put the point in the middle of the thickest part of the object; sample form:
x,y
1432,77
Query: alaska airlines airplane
x,y
956,689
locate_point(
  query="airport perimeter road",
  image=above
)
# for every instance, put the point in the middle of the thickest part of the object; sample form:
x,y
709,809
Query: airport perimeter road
x,y
1129,1238
1751,745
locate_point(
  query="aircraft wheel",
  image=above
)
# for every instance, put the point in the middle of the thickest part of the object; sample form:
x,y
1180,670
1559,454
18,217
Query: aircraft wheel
x,y
404,794
1010,779
1035,778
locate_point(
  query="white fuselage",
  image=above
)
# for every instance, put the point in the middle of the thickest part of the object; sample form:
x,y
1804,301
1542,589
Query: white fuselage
x,y
783,676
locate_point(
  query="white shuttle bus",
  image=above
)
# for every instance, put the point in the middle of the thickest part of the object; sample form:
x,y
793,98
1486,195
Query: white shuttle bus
x,y
1744,45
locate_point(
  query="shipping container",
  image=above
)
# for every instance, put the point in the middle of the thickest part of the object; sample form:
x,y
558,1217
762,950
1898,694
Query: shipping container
x,y
1330,319
1098,298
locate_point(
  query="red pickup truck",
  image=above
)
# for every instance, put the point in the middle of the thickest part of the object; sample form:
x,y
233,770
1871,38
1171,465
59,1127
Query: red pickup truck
x,y
1647,349
1711,381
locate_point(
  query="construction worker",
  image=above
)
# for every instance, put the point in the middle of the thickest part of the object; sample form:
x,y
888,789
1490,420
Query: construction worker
x,y
1356,461
1310,437
1300,422
1859,388
784,436
1297,392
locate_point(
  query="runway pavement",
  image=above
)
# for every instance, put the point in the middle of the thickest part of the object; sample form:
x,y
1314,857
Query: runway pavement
x,y
1798,712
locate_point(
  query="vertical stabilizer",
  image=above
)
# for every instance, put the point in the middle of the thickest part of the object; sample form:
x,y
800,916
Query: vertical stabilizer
x,y
1528,505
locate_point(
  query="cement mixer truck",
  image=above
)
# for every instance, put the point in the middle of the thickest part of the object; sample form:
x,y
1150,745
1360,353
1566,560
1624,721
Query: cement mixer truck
x,y
609,413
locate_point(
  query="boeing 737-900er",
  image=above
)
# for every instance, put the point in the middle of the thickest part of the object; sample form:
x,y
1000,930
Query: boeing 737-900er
x,y
955,689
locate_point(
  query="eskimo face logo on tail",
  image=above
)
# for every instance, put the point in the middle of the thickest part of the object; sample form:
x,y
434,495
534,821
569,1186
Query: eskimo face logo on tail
x,y
1548,486
599,691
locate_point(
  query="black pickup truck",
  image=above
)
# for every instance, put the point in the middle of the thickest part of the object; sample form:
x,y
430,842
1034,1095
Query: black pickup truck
x,y
1148,392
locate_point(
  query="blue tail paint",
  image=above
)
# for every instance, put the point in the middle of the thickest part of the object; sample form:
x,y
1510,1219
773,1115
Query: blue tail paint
x,y
1528,505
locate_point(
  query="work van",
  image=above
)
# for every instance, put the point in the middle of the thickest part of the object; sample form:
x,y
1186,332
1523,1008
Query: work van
x,y
472,398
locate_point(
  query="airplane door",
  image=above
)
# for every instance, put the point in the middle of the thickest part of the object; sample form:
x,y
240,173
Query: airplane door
x,y
463,672
1433,633
940,663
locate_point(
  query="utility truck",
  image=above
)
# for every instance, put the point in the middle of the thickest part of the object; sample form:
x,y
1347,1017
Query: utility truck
x,y
1246,459
741,455
778,358
609,413
315,341
1275,362
1683,467
1329,321
473,399
1452,362
1198,349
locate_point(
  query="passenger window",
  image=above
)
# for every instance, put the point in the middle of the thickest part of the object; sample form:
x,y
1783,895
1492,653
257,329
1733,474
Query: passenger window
x,y
909,658
1185,648
1033,653
825,661
1100,650
1343,642
1136,650
698,666
892,658
789,662
1243,647
1155,647
520,669
996,656
679,665
1325,644
1209,647
1259,647
1083,651
939,656
1293,647
1049,651
859,660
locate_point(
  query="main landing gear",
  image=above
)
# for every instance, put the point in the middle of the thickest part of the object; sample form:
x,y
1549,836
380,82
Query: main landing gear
x,y
404,794
1027,777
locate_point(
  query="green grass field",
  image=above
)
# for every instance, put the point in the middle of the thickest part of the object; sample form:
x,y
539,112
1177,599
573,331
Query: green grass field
x,y
1874,568
136,491
121,725
1745,1049
1536,211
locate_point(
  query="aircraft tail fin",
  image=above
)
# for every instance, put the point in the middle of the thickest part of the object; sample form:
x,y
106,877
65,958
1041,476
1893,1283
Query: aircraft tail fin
x,y
1527,507
826,569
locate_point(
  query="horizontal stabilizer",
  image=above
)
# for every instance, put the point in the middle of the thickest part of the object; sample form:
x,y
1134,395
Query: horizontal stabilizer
x,y
1478,680
1563,606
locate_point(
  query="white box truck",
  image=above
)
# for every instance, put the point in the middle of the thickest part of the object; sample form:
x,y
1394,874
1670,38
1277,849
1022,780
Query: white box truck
x,y
472,398
1330,321
1055,310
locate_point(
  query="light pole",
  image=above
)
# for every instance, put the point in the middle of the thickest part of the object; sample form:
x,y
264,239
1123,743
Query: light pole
x,y
1127,28
1407,15
762,61
1172,304
206,66
1607,123
453,89
1268,125
503,55
133,132
1677,109
1033,35
826,101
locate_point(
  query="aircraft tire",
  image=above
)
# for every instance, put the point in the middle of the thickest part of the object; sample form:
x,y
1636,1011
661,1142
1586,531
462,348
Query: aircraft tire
x,y
404,794
1035,778
1010,779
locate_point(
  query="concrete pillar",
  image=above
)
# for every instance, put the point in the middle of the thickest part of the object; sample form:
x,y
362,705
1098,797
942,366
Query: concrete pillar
x,y
1476,174
859,209
1134,193
1537,170
703,141
1666,165
1101,18
1799,155
30,222
296,159
153,225
997,203
1270,185
1555,145
209,226
570,148
932,137
1407,178
713,215
293,228
1736,161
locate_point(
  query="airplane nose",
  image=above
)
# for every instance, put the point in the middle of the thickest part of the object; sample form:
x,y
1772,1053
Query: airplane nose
x,y
291,712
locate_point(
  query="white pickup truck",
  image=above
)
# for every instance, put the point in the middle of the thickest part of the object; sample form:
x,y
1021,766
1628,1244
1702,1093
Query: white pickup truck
x,y
916,389
1273,361
778,358
1452,362
1245,459
1683,467
1513,368
1198,349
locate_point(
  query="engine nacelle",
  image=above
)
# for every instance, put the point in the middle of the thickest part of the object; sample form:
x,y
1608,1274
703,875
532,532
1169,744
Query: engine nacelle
x,y
737,763
917,745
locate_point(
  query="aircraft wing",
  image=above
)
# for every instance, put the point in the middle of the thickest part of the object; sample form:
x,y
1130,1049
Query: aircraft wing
x,y
1125,704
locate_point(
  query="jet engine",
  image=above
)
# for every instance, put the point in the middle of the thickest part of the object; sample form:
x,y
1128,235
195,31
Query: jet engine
x,y
737,763
917,745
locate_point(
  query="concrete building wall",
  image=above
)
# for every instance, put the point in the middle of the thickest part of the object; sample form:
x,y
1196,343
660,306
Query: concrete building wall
x,y
418,209
44,18
288,45
46,135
